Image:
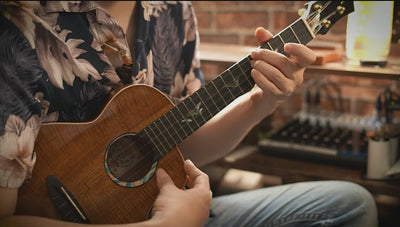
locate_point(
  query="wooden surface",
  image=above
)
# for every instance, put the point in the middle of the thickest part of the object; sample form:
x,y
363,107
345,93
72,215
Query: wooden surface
x,y
390,71
250,158
224,53
228,53
75,154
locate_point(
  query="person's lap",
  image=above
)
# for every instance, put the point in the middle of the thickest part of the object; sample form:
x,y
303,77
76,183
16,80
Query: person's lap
x,y
318,203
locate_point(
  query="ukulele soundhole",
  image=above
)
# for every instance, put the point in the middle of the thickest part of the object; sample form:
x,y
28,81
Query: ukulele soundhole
x,y
128,161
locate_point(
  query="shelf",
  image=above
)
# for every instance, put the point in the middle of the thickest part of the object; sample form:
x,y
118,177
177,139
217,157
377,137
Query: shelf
x,y
223,53
390,71
230,54
250,158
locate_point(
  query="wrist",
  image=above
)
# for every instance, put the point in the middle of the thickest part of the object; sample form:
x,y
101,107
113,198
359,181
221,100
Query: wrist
x,y
261,104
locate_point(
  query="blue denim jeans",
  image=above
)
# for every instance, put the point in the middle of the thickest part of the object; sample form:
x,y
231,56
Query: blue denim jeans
x,y
319,203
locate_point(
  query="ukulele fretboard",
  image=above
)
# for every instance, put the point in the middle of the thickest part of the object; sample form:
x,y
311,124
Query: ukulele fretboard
x,y
183,119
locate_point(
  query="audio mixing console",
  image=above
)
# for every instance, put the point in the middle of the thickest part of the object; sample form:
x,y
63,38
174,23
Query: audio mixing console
x,y
338,140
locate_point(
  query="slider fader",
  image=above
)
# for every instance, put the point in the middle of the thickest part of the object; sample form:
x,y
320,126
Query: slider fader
x,y
338,139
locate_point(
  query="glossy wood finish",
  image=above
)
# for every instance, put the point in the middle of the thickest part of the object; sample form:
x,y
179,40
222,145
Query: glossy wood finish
x,y
74,153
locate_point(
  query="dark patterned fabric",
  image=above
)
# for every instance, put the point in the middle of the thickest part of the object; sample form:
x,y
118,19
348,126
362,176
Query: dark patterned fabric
x,y
60,60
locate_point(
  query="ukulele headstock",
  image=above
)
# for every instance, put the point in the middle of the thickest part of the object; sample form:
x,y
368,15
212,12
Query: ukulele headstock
x,y
321,15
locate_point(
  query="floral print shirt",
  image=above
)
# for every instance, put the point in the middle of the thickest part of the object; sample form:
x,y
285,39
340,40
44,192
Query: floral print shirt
x,y
60,61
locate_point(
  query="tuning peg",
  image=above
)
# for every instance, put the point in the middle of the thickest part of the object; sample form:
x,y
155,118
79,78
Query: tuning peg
x,y
301,11
326,23
340,9
317,7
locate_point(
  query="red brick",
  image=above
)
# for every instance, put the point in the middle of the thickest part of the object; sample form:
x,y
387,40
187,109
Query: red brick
x,y
227,39
211,70
339,27
360,81
197,4
262,3
236,22
214,3
360,92
241,20
395,49
204,20
250,40
364,108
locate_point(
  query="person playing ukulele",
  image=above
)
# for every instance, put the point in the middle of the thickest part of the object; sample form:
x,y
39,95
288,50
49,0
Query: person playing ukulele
x,y
61,61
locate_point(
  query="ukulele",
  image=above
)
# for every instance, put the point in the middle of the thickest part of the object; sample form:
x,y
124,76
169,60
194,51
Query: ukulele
x,y
102,171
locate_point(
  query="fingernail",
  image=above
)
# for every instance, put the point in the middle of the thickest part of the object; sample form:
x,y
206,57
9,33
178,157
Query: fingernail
x,y
252,63
288,47
253,53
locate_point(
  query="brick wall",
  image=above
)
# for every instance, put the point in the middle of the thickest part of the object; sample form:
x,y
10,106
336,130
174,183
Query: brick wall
x,y
234,22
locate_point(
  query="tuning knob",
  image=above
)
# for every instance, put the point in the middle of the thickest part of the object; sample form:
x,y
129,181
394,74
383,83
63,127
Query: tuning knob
x,y
317,7
301,11
326,23
340,9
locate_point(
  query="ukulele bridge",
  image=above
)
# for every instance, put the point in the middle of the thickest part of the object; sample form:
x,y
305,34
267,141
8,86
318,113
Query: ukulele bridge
x,y
65,203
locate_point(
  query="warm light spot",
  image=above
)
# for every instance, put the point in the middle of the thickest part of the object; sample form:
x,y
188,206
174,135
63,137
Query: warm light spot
x,y
369,30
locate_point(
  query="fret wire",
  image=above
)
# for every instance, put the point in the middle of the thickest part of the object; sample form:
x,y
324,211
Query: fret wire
x,y
209,97
235,79
212,83
299,38
205,88
195,106
154,128
269,45
288,37
302,31
276,42
172,126
162,133
227,87
307,28
148,147
294,33
247,63
190,112
158,138
184,131
184,118
180,126
243,72
153,142
214,93
205,104
231,96
244,85
246,67
283,42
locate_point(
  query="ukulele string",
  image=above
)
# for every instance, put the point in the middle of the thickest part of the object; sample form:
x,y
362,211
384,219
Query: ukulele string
x,y
161,149
146,147
208,99
312,16
177,126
